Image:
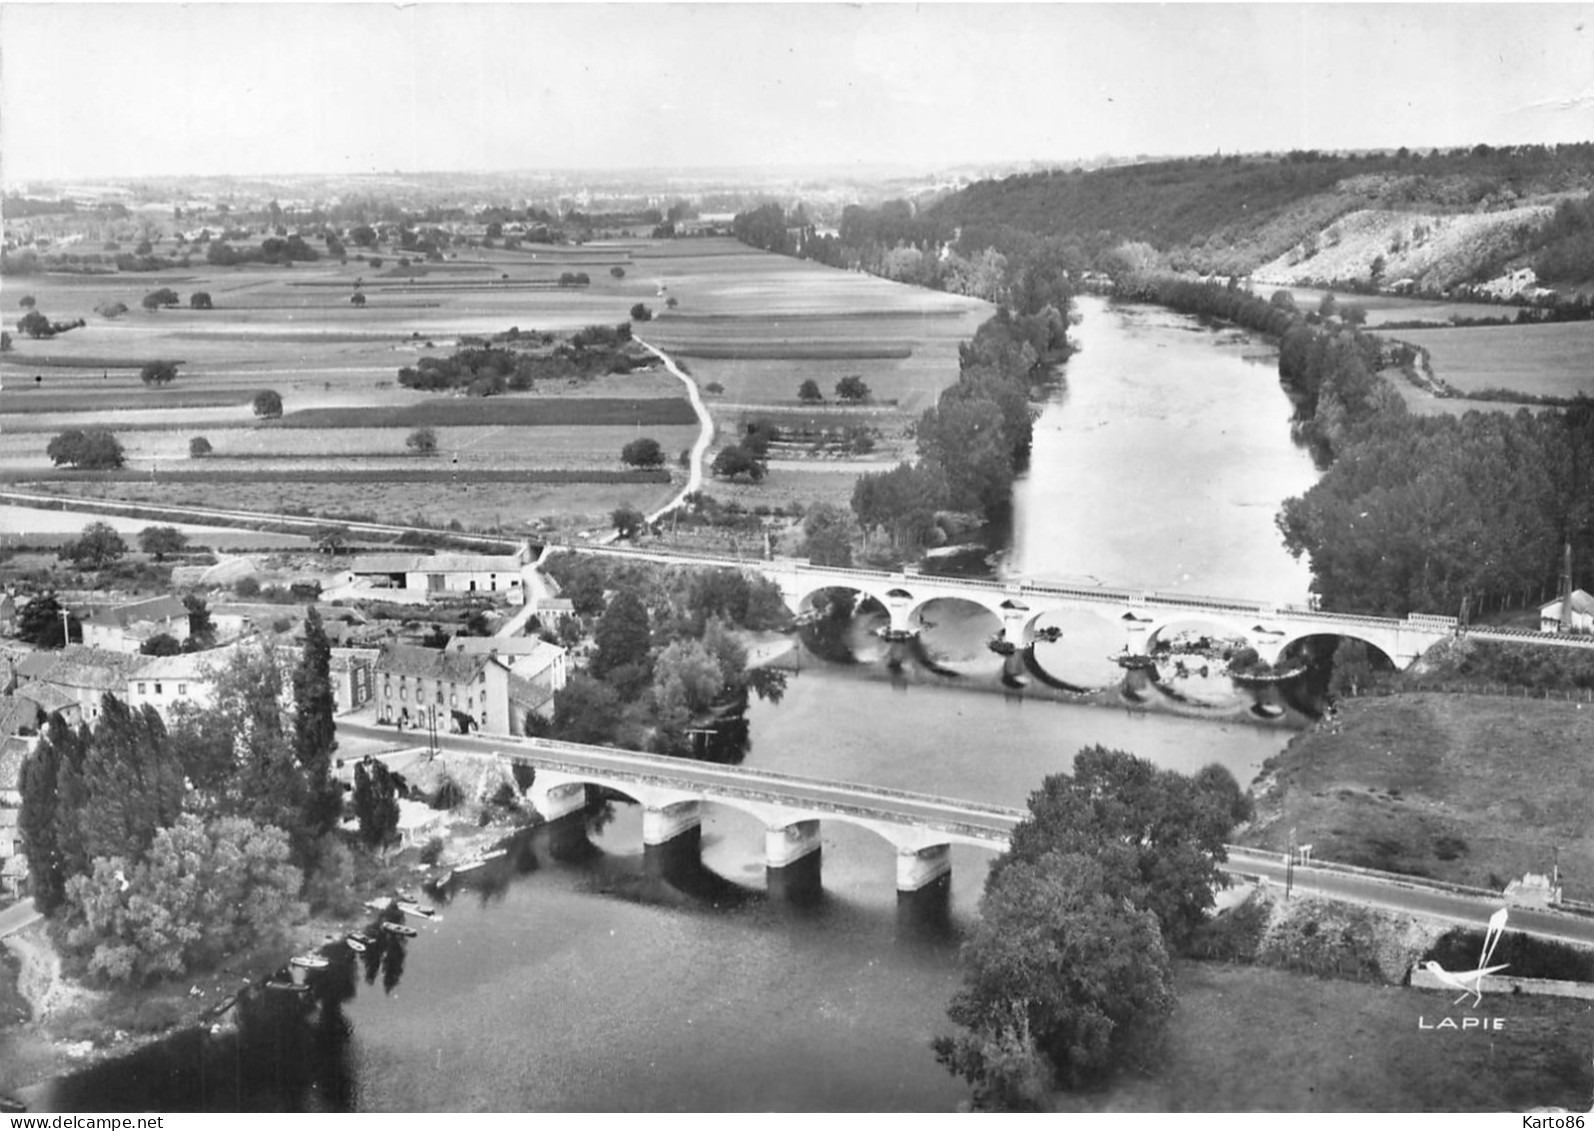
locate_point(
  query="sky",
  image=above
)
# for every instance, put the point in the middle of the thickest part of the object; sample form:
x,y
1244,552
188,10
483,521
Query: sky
x,y
144,89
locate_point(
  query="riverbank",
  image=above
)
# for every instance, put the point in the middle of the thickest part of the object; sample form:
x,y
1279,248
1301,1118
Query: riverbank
x,y
1468,789
50,1025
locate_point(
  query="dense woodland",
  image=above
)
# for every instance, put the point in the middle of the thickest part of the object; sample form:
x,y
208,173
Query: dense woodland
x,y
1226,215
516,362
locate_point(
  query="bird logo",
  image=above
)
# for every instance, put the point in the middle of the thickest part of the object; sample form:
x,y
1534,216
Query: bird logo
x,y
1470,982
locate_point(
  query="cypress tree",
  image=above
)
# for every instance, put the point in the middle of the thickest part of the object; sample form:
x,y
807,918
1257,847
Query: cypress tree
x,y
314,731
37,821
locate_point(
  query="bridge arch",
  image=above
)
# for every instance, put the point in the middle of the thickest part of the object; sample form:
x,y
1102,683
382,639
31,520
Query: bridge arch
x,y
1380,651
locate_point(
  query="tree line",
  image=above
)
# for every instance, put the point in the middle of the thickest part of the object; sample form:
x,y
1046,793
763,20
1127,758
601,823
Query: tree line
x,y
1442,514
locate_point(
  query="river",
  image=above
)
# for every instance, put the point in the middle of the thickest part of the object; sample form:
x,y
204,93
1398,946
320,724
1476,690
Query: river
x,y
584,984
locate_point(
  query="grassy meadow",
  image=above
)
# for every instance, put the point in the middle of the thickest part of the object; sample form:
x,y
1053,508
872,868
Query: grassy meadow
x,y
756,324
1555,359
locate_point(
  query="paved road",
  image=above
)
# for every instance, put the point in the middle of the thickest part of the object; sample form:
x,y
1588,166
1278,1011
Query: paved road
x,y
1413,898
18,916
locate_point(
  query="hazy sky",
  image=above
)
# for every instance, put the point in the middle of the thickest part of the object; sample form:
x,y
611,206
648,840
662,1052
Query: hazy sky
x,y
248,88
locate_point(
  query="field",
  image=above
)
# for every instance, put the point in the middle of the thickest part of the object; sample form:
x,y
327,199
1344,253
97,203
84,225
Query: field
x,y
756,324
1246,1038
1556,359
1470,789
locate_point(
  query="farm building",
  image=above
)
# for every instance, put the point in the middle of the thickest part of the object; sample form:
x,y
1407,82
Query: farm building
x,y
1582,619
438,574
125,628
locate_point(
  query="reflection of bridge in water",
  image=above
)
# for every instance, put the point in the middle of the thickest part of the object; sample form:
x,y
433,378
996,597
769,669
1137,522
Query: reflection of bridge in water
x,y
920,827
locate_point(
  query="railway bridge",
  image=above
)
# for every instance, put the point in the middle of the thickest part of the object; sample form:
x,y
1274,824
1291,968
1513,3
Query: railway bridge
x,y
1143,616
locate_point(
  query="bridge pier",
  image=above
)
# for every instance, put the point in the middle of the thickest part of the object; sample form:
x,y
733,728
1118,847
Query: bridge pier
x,y
792,860
672,836
558,801
920,868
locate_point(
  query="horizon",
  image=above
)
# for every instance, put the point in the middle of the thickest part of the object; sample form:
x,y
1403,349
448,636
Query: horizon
x,y
689,88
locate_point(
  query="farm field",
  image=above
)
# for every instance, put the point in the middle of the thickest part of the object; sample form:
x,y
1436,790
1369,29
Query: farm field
x,y
36,527
771,322
1556,359
1392,308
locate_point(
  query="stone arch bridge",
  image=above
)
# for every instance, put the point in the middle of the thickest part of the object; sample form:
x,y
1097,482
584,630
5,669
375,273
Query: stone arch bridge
x,y
1142,615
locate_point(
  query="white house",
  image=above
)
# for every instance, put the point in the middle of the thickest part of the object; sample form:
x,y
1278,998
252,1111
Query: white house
x,y
537,668
1582,614
125,628
189,677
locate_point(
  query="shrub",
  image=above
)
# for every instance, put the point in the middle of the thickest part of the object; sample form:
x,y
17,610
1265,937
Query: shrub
x,y
422,441
431,850
246,587
268,404
199,300
199,446
640,313
158,372
163,297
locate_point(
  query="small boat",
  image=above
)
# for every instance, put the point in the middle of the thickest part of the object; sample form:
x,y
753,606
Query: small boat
x,y
494,853
468,866
409,907
1001,647
1138,661
358,941
290,987
309,962
400,929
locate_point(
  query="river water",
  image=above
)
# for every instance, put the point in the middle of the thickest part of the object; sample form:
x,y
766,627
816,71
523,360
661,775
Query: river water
x,y
576,981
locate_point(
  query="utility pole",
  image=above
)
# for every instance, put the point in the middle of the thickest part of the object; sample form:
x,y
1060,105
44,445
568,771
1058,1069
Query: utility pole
x,y
1289,867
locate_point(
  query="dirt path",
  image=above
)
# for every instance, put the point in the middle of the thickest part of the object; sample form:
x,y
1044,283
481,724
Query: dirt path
x,y
705,435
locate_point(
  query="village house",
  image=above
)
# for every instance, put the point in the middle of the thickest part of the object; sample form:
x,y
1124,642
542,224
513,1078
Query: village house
x,y
422,687
352,671
83,673
1582,619
434,575
162,682
125,628
538,669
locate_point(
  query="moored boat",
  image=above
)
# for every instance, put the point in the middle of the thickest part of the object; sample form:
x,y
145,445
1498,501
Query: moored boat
x,y
308,962
358,941
409,907
400,929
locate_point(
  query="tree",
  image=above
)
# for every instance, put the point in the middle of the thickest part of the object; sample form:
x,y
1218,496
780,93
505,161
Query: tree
x,y
89,449
628,521
162,540
26,302
161,644
828,535
808,392
422,441
357,298
643,452
40,621
622,634
158,372
364,235
1158,834
97,547
586,710
35,324
163,297
199,625
205,889
199,446
376,803
617,272
5,341
111,310
37,821
314,731
199,300
852,389
639,313
1063,981
268,404
737,460
134,783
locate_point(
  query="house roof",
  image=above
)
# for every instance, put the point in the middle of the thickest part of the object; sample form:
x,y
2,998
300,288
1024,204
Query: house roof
x,y
524,693
516,646
94,669
1581,603
438,563
155,609
36,664
16,713
48,697
429,663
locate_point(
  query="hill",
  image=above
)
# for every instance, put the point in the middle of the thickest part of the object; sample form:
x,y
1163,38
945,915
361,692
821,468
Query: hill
x,y
1441,220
